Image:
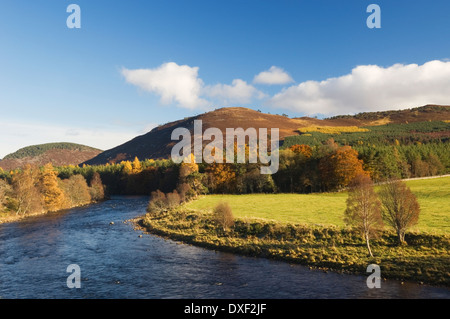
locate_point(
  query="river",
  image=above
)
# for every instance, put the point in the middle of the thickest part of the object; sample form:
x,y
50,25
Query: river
x,y
116,263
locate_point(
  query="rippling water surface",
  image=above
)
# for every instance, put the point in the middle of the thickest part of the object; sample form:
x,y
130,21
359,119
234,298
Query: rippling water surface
x,y
116,263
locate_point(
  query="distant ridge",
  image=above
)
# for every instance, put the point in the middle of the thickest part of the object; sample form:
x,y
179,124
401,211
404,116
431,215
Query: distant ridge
x,y
157,143
56,153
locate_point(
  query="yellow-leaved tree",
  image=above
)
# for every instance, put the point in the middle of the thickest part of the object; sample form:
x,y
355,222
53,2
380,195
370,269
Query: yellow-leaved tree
x,y
26,196
127,167
52,194
136,166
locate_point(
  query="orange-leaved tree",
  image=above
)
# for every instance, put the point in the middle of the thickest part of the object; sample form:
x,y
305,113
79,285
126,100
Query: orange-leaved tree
x,y
338,168
302,149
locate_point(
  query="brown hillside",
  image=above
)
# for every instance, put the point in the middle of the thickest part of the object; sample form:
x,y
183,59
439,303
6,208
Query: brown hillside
x,y
158,144
418,114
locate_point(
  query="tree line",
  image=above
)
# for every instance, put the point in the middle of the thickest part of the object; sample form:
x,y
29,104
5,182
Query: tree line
x,y
39,189
303,168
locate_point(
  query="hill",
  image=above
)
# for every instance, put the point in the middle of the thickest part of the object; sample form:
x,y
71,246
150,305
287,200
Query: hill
x,y
418,114
57,153
158,144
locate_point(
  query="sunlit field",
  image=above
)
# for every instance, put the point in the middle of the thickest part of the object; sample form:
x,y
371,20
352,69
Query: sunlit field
x,y
328,208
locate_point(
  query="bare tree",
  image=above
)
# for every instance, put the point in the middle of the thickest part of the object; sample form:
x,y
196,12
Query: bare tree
x,y
363,208
400,207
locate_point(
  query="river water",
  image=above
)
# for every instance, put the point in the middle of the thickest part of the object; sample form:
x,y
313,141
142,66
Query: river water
x,y
116,263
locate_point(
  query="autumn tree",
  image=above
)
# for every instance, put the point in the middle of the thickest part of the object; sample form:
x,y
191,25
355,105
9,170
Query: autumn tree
x,y
340,167
400,207
96,189
76,191
221,177
303,149
26,196
4,189
127,167
188,167
136,166
52,194
363,208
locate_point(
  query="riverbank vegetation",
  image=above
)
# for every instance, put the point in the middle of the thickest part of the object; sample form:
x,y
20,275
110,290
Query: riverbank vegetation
x,y
287,227
37,190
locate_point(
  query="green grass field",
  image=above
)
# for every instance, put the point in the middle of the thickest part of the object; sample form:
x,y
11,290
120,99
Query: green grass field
x,y
328,208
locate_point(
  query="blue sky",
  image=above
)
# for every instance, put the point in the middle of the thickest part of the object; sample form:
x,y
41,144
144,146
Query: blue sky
x,y
103,84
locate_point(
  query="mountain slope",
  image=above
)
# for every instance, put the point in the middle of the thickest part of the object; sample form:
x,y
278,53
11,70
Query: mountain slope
x,y
158,144
56,153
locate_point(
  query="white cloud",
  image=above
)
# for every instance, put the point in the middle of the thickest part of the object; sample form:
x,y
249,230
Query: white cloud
x,y
181,84
274,75
370,88
238,92
172,82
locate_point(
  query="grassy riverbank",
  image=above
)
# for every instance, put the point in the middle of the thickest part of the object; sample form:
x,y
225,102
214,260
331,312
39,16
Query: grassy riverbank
x,y
424,259
308,229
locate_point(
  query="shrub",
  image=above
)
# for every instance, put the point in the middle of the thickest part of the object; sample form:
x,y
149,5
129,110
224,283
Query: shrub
x,y
223,216
158,202
173,199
